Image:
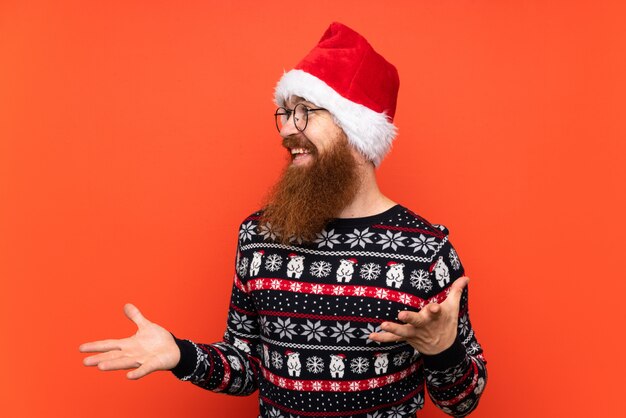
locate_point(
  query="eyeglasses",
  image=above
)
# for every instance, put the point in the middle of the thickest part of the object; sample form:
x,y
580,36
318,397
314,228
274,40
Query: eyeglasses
x,y
300,115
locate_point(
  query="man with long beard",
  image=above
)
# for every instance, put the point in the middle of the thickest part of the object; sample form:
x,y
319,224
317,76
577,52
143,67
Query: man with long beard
x,y
344,303
320,184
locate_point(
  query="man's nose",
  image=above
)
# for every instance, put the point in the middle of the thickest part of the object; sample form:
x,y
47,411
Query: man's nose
x,y
289,127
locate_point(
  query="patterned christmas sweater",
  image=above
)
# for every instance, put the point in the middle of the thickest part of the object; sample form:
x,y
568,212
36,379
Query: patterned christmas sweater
x,y
300,316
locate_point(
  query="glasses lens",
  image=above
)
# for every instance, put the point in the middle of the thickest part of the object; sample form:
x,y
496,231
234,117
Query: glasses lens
x,y
300,117
281,116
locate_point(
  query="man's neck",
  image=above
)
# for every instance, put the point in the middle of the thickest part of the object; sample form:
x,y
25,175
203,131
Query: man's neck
x,y
369,200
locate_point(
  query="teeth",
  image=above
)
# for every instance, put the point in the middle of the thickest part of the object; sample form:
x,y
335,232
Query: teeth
x,y
299,151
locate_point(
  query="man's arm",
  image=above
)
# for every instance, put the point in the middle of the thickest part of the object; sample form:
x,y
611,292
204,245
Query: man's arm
x,y
230,366
453,361
456,377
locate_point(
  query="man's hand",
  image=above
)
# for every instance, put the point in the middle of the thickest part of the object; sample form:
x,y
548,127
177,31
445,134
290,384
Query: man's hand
x,y
431,330
152,348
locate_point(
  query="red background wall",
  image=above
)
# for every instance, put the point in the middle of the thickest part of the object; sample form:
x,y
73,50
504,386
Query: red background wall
x,y
136,135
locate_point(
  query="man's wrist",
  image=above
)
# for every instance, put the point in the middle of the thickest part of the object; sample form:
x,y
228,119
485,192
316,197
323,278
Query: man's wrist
x,y
447,358
187,358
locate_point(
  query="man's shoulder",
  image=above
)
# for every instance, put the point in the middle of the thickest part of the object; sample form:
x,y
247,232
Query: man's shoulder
x,y
412,237
250,228
412,223
254,217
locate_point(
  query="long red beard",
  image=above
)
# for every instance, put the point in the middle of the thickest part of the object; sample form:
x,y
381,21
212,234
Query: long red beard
x,y
305,198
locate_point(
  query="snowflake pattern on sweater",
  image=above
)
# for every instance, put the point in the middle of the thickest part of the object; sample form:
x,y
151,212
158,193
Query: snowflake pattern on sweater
x,y
300,315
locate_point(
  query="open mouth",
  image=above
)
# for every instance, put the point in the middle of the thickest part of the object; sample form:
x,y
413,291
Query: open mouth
x,y
298,152
300,155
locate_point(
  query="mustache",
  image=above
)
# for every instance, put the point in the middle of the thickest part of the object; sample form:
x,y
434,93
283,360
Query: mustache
x,y
298,141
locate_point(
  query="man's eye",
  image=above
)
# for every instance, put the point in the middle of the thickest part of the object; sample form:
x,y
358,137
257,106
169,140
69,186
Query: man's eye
x,y
285,115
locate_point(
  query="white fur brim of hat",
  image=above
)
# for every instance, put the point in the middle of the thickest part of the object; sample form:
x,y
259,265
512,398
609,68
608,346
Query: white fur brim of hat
x,y
370,132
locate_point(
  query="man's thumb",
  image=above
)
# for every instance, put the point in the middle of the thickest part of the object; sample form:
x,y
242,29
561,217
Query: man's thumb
x,y
134,314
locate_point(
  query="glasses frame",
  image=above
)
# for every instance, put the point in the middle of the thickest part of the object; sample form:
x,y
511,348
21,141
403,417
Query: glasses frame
x,y
292,112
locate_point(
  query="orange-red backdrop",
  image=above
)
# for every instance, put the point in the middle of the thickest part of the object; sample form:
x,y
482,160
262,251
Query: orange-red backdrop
x,y
136,135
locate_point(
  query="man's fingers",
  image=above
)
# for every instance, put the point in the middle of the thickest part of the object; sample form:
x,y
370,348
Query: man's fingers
x,y
401,330
98,358
140,372
135,315
433,308
119,364
100,346
458,285
456,289
416,319
384,337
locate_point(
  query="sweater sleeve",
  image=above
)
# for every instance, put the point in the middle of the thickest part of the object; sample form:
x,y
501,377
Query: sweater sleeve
x,y
456,377
232,365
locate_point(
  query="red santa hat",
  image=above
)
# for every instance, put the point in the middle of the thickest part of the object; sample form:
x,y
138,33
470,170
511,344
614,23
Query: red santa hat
x,y
343,356
344,75
292,255
352,260
391,263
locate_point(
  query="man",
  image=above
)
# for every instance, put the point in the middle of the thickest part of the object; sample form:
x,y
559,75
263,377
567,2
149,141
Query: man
x,y
344,303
